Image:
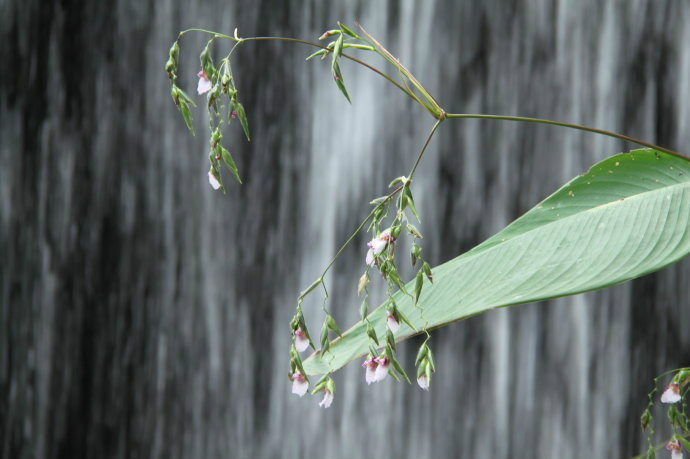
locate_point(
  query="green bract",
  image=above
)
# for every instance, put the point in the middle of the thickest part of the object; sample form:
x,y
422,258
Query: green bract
x,y
629,215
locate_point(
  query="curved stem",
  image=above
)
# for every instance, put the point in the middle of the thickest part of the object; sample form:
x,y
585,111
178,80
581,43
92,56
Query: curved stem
x,y
568,125
304,42
316,45
388,197
426,144
359,228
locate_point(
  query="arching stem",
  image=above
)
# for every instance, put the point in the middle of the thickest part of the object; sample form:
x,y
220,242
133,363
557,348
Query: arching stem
x,y
567,125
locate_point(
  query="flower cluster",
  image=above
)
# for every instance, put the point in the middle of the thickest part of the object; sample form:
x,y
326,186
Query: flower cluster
x,y
425,366
674,395
380,256
218,85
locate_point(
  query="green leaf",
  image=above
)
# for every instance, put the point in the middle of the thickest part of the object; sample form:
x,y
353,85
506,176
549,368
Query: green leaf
x,y
399,369
419,283
410,202
347,30
206,62
338,48
338,77
318,53
243,119
332,325
187,115
227,159
628,216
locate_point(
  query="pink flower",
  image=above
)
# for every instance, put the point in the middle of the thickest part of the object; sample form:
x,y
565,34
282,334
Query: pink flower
x,y
204,85
370,375
674,447
301,341
382,368
327,399
233,115
423,382
392,322
376,245
299,384
671,394
215,184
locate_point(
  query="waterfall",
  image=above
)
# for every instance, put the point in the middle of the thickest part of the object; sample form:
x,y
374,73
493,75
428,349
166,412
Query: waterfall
x,y
144,315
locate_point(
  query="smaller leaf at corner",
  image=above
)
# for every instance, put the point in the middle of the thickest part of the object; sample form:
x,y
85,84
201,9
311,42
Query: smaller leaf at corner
x,y
227,159
243,119
338,76
187,115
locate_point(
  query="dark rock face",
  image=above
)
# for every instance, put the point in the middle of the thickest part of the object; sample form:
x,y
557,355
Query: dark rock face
x,y
143,315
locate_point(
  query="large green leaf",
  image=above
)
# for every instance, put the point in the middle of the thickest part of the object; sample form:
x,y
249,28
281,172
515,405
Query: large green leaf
x,y
629,215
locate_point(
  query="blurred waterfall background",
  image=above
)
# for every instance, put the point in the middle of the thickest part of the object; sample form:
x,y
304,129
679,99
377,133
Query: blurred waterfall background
x,y
144,315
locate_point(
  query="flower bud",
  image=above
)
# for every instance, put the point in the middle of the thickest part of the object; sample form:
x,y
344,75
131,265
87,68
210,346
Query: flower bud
x,y
324,334
206,63
328,33
421,354
363,310
332,325
347,30
174,52
215,137
419,283
390,340
170,66
427,271
363,281
644,419
371,333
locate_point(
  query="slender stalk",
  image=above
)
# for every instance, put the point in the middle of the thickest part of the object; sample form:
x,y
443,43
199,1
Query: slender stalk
x,y
359,228
304,42
568,125
426,144
388,197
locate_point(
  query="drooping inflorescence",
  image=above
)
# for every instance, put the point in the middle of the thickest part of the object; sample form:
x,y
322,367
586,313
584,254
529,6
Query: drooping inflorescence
x,y
675,395
216,82
222,103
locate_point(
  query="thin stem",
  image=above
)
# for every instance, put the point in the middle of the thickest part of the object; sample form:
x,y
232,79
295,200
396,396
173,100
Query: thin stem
x,y
388,197
359,228
426,143
568,125
316,45
304,42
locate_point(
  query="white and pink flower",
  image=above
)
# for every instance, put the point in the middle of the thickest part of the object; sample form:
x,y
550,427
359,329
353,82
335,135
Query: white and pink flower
x,y
376,245
370,365
215,184
204,85
382,368
675,448
301,341
671,394
392,322
327,399
423,381
300,385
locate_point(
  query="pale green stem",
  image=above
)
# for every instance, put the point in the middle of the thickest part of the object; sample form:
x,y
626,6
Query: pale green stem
x,y
567,125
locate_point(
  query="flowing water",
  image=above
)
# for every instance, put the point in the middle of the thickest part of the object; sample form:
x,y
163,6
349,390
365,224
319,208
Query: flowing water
x,y
143,315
